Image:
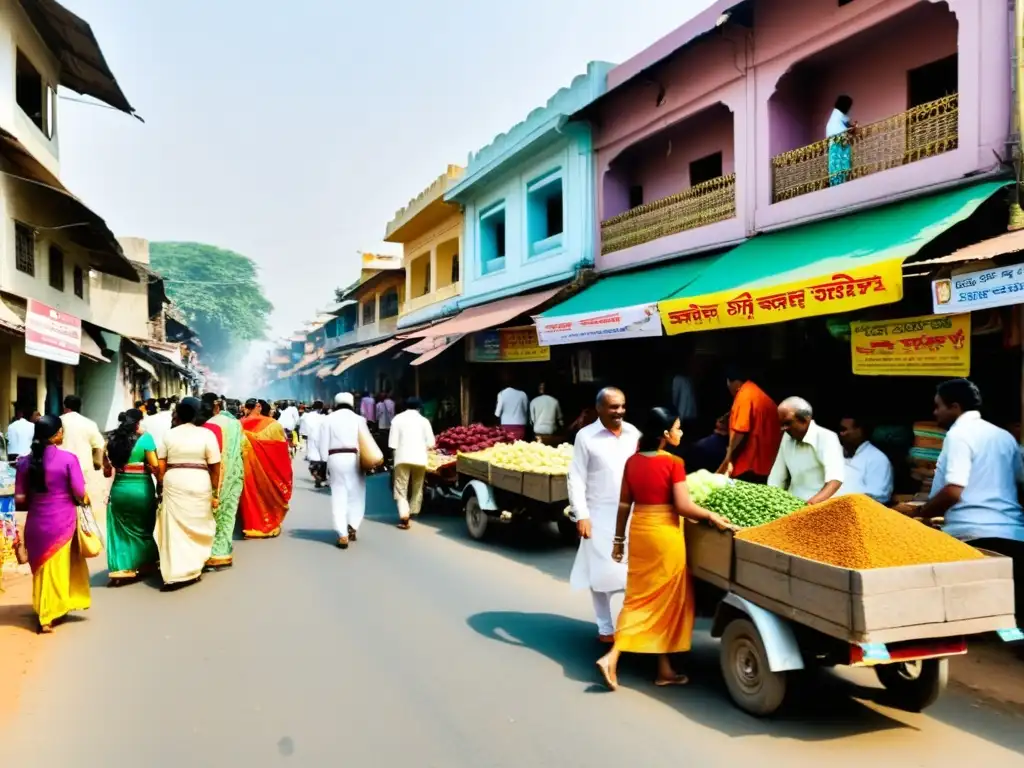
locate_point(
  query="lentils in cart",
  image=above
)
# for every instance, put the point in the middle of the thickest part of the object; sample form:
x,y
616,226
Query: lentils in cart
x,y
857,532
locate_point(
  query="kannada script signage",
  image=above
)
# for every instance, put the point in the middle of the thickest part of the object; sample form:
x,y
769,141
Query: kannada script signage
x,y
626,323
507,345
52,335
985,289
932,345
851,290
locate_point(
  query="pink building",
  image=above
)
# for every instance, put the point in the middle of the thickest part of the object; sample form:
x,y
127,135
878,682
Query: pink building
x,y
717,131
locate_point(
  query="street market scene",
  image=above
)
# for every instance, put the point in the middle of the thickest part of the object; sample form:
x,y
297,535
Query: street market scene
x,y
687,397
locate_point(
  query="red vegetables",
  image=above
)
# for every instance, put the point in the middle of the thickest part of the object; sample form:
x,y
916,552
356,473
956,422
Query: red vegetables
x,y
475,437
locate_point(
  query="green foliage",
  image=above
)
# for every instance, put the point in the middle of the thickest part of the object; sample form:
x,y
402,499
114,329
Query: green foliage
x,y
220,294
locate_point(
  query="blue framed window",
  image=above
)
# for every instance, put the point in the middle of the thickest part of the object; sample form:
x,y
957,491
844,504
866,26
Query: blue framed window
x,y
545,213
492,238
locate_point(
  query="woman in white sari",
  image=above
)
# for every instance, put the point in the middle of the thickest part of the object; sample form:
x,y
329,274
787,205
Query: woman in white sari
x,y
185,525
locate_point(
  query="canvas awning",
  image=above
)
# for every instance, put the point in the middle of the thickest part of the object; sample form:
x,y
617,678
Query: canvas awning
x,y
486,315
144,365
839,265
1010,242
436,350
365,354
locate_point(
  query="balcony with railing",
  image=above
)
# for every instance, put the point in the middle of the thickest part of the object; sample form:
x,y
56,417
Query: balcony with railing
x,y
443,293
925,131
706,203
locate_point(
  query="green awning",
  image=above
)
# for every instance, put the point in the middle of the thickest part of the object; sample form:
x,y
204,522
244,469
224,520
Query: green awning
x,y
829,267
630,289
895,231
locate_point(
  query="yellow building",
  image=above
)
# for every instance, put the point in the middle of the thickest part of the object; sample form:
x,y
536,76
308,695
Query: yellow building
x,y
430,232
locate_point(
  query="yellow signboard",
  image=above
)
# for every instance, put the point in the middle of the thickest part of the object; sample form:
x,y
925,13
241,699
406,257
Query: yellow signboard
x,y
932,345
507,345
848,291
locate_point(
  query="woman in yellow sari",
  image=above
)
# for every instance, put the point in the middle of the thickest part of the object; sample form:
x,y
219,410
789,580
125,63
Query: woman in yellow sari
x,y
267,485
658,611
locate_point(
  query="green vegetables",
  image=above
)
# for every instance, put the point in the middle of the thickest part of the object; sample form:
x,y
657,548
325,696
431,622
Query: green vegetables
x,y
748,504
701,483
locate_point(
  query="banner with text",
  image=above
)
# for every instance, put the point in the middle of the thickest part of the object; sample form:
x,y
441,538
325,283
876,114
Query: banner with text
x,y
854,289
984,289
636,322
932,345
507,345
52,335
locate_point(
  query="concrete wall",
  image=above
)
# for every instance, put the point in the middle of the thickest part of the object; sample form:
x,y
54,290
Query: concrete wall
x,y
437,246
120,305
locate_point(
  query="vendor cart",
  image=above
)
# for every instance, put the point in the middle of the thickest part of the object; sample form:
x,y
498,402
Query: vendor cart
x,y
778,614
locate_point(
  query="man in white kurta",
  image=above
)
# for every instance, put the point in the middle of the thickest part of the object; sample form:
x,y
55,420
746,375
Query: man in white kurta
x,y
595,482
309,427
338,445
810,464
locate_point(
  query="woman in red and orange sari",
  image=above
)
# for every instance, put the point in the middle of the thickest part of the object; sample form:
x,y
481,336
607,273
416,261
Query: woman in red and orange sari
x,y
267,486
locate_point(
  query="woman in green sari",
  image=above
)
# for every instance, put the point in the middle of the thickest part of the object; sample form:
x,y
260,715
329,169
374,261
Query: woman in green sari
x,y
213,412
131,511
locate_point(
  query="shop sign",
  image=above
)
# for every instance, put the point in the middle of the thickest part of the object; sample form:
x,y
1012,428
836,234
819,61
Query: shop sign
x,y
628,323
52,335
932,345
507,345
851,290
985,289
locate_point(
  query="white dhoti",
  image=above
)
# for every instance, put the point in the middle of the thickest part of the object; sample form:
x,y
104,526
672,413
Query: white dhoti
x,y
595,570
348,492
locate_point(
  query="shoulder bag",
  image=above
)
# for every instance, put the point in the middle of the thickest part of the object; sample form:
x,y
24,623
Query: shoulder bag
x,y
89,539
370,455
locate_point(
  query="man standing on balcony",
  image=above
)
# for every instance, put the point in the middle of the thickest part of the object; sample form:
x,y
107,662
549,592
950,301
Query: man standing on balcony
x,y
839,133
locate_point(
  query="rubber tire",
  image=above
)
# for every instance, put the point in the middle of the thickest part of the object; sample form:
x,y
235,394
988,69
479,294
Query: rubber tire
x,y
914,694
477,522
568,531
763,693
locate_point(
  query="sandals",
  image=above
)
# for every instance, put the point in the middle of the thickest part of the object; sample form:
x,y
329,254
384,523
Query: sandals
x,y
405,524
351,533
342,542
677,680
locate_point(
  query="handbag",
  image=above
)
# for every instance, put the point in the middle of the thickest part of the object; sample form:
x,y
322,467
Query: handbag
x,y
370,455
90,542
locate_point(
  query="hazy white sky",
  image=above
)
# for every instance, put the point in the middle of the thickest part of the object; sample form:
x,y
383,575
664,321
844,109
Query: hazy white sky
x,y
292,131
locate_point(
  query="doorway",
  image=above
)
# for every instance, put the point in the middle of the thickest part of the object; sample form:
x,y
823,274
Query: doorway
x,y
27,393
54,387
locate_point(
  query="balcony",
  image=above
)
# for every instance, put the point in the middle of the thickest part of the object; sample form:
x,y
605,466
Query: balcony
x,y
441,294
917,134
698,206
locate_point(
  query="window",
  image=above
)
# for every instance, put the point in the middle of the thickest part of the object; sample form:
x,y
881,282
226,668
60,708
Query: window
x,y
492,239
426,277
370,312
79,282
56,268
932,81
544,220
389,304
636,196
24,249
30,92
705,169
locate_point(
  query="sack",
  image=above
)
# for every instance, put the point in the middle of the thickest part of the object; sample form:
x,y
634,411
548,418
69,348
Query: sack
x,y
89,540
370,455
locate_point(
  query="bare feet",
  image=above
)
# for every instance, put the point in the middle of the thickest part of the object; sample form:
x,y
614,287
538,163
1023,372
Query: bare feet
x,y
46,629
608,673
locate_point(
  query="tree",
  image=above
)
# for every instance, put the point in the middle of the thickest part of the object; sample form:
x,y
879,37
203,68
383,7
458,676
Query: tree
x,y
220,294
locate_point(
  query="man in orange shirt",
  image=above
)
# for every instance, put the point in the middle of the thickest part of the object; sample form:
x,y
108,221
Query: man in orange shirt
x,y
755,431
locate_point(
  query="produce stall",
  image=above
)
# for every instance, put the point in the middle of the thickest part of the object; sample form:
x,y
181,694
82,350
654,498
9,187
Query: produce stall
x,y
844,582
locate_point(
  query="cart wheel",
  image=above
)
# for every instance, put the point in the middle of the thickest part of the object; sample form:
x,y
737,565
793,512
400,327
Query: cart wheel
x,y
751,683
568,532
476,519
914,685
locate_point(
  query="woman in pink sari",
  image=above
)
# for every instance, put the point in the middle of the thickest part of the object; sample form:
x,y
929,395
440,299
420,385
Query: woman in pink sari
x,y
50,486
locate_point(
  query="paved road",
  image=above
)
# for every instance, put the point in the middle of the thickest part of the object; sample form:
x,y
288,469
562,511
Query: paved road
x,y
422,649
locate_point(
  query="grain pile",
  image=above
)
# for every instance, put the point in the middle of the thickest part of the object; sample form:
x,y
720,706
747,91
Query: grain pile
x,y
858,532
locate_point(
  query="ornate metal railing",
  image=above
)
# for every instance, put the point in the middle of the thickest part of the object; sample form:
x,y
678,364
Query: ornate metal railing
x,y
916,134
697,206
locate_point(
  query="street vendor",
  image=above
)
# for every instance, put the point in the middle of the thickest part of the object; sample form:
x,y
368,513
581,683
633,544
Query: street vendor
x,y
810,464
868,470
754,429
977,480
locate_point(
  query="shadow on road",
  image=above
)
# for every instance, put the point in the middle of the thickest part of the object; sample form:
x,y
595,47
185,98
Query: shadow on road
x,y
318,535
19,616
826,710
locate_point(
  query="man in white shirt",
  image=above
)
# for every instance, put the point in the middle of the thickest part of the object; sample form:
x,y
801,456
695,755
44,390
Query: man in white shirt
x,y
978,479
83,438
810,463
20,433
513,411
867,470
289,420
545,415
385,415
595,482
159,424
411,437
309,425
338,444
